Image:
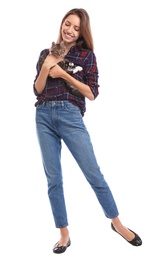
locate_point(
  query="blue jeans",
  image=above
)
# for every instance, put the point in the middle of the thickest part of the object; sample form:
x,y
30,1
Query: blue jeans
x,y
61,120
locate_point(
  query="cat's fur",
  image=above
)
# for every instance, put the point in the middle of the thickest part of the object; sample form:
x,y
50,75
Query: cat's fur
x,y
58,50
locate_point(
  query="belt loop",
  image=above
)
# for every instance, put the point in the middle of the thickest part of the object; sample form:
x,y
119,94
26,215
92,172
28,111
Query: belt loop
x,y
52,103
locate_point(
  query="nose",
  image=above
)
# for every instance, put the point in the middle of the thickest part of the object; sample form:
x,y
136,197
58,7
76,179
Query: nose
x,y
70,29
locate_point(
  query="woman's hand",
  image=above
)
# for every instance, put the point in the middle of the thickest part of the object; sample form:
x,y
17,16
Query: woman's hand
x,y
51,61
56,72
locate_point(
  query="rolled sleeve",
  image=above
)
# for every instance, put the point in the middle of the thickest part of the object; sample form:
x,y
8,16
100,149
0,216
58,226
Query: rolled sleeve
x,y
91,73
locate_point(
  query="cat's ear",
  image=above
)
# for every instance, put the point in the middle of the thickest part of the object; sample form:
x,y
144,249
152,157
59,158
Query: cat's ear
x,y
53,44
52,47
62,44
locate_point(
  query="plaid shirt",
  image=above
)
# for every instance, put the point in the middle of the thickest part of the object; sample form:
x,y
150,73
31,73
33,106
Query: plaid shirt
x,y
55,88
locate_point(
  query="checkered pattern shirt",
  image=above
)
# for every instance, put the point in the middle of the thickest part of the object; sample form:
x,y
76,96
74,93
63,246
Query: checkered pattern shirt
x,y
55,88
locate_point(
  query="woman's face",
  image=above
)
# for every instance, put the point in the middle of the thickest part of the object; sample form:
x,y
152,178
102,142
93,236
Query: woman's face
x,y
71,29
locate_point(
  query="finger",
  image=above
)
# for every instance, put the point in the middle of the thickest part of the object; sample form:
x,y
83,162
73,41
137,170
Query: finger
x,y
52,67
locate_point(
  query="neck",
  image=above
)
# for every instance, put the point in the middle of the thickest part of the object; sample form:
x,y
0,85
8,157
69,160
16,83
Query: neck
x,y
68,46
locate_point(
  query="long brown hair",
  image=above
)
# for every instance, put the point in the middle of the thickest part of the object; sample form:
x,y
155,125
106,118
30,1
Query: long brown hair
x,y
85,41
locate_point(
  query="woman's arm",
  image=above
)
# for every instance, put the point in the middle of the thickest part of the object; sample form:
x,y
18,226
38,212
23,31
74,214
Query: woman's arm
x,y
40,82
41,79
58,72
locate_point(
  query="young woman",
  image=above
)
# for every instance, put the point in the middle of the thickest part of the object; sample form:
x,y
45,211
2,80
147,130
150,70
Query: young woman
x,y
59,116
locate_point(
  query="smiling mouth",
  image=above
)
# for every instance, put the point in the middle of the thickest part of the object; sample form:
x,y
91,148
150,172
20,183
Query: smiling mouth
x,y
68,35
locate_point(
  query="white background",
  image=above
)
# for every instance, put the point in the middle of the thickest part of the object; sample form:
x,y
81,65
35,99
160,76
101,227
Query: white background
x,y
124,122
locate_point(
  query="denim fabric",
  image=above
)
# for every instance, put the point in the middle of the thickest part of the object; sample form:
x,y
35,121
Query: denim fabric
x,y
61,120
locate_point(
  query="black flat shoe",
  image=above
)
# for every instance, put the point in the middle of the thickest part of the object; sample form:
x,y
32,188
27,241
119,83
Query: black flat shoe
x,y
135,242
61,249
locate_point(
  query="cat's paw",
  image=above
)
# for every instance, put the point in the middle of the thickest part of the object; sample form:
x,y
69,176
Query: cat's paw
x,y
76,69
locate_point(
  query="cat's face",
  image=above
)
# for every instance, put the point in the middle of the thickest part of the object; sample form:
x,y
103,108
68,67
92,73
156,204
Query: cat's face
x,y
58,49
